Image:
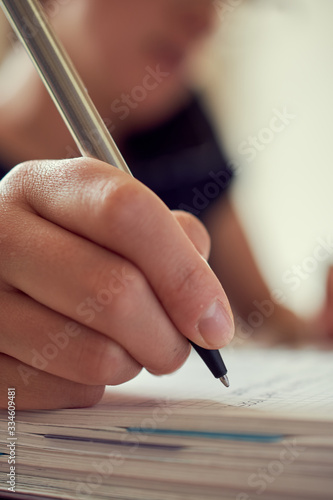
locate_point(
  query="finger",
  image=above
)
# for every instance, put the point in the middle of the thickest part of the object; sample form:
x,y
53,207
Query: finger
x,y
195,231
39,390
109,207
95,288
50,342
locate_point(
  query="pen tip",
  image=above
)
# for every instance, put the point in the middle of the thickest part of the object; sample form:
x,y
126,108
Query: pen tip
x,y
225,380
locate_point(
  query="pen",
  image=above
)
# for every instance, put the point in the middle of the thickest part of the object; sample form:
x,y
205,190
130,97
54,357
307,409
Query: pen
x,y
75,106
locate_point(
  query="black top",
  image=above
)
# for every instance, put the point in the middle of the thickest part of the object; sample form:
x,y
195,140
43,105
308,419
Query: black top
x,y
180,161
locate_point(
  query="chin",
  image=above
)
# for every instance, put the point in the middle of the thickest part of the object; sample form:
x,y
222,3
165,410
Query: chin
x,y
159,106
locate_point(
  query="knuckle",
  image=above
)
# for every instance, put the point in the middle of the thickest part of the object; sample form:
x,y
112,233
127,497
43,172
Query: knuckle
x,y
128,372
195,230
174,361
110,280
129,297
186,282
187,219
118,292
86,396
103,362
124,199
91,361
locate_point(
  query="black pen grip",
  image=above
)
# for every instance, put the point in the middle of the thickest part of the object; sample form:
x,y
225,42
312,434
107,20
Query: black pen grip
x,y
212,359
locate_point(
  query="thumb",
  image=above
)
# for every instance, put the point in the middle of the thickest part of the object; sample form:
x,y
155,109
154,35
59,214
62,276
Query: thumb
x,y
195,231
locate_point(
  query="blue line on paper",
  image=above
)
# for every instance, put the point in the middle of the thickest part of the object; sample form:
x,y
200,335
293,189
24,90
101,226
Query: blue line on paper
x,y
257,438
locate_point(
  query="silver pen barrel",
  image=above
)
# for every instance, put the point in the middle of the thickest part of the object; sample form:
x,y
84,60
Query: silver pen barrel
x,y
62,81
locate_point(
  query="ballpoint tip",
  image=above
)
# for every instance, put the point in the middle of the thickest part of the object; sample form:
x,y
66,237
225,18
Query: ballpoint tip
x,y
225,380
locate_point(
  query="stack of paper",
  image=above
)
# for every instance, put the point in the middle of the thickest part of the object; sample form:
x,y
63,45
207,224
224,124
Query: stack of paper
x,y
186,437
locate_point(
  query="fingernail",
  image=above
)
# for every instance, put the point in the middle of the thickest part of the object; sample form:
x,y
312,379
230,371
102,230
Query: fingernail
x,y
216,325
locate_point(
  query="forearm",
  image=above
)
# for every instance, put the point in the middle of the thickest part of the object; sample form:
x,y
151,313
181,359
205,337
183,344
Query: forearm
x,y
232,260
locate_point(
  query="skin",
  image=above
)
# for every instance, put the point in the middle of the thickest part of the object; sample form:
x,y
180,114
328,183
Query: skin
x,y
245,286
113,45
73,219
70,228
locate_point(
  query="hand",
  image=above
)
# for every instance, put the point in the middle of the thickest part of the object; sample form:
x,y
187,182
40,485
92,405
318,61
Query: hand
x,y
289,328
323,322
97,280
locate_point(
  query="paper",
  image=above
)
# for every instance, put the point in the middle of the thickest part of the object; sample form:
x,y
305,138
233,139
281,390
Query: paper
x,y
272,379
185,436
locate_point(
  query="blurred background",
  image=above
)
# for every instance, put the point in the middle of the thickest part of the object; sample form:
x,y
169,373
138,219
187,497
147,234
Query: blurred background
x,y
267,79
273,57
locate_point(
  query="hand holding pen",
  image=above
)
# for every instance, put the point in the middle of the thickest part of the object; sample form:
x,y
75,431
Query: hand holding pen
x,y
114,279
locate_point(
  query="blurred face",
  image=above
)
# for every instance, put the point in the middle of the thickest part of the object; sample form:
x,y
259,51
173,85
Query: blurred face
x,y
121,45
